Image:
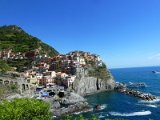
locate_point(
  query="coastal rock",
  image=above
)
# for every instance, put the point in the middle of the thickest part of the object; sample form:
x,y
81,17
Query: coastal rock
x,y
73,103
56,105
90,85
78,107
72,99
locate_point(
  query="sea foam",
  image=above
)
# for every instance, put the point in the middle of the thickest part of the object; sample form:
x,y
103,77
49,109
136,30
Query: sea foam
x,y
153,106
103,106
142,113
149,105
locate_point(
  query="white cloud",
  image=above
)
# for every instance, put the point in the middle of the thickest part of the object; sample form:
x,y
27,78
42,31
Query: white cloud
x,y
156,56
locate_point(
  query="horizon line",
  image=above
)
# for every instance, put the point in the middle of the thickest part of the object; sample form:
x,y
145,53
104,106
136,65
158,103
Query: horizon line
x,y
133,67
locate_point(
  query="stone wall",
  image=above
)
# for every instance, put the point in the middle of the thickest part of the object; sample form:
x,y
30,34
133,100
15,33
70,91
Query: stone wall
x,y
23,84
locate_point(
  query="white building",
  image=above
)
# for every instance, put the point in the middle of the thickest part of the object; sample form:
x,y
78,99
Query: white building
x,y
70,80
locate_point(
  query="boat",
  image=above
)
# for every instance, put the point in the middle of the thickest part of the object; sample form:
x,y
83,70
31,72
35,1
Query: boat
x,y
136,85
156,72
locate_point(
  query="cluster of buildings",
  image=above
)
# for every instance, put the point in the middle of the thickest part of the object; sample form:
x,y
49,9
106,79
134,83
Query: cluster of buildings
x,y
10,54
60,70
49,78
72,62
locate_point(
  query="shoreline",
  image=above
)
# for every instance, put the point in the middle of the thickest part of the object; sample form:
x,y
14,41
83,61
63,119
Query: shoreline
x,y
78,107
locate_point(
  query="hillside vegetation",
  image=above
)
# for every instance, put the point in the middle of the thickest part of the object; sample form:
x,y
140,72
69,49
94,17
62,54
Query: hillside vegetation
x,y
13,37
4,66
18,41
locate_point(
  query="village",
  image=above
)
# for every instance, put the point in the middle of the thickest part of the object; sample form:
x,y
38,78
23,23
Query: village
x,y
54,75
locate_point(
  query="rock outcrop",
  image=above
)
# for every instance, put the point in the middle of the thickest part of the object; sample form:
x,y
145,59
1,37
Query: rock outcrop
x,y
92,76
69,104
78,107
90,85
72,99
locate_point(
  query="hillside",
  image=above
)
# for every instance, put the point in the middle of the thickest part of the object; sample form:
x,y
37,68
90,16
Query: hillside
x,y
18,49
13,37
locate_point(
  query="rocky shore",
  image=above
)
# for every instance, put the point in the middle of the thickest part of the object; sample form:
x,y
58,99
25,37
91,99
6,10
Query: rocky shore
x,y
70,109
136,93
69,104
72,103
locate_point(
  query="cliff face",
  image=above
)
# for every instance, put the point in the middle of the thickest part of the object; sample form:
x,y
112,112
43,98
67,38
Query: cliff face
x,y
93,76
86,84
91,85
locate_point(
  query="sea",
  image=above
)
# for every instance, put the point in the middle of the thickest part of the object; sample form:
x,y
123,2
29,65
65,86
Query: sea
x,y
120,106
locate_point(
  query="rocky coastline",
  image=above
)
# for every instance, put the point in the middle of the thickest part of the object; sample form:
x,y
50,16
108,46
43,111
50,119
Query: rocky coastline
x,y
70,109
135,93
70,104
144,96
90,85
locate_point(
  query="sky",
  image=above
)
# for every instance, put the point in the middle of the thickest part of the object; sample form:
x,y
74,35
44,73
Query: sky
x,y
125,33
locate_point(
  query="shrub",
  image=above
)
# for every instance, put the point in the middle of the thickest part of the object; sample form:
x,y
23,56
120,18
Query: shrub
x,y
4,66
24,109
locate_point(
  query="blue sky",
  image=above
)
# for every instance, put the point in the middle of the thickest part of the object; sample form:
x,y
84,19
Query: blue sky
x,y
125,33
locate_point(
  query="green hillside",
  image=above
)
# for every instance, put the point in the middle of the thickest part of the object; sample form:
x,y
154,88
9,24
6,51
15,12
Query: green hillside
x,y
13,37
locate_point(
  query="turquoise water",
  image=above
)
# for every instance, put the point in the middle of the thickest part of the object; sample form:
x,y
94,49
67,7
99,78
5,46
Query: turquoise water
x,y
122,106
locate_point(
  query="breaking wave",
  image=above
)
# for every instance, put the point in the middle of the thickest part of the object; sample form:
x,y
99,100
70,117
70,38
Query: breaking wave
x,y
153,106
142,113
103,106
149,105
154,101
